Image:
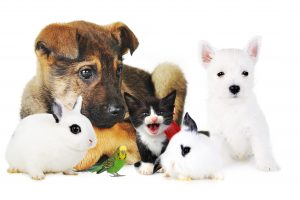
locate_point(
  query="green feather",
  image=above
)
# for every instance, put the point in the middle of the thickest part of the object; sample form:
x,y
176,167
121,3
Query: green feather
x,y
112,165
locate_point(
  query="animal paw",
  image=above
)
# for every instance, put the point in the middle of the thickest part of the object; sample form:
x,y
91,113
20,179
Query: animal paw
x,y
267,165
38,176
161,170
216,177
13,170
184,178
146,168
70,172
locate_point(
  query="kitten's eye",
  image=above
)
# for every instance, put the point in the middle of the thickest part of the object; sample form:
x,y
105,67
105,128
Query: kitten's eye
x,y
161,113
245,73
220,74
145,114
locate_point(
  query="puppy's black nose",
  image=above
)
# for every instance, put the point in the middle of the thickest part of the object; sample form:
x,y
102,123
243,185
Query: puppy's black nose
x,y
234,89
115,110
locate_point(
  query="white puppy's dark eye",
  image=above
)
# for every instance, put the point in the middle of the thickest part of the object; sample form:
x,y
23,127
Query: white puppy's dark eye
x,y
245,73
220,74
75,129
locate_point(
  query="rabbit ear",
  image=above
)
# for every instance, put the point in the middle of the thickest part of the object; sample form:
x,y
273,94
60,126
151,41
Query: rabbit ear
x,y
189,123
157,165
78,104
57,110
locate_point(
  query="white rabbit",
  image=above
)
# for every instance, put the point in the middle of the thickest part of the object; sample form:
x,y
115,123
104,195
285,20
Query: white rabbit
x,y
191,154
50,142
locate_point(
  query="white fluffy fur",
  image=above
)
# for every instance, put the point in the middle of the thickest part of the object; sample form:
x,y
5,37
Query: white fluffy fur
x,y
203,161
238,118
41,145
146,168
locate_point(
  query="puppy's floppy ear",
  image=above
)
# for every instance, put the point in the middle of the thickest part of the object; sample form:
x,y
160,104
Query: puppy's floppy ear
x,y
124,36
253,47
132,102
58,40
189,123
207,53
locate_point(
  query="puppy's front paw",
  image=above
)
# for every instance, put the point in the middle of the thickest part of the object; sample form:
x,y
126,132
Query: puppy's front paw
x,y
267,165
146,168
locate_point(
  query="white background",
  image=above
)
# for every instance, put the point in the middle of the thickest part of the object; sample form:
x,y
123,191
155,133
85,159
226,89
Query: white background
x,y
167,31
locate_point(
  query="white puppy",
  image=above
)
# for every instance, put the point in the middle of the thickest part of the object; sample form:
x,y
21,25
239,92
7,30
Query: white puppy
x,y
233,112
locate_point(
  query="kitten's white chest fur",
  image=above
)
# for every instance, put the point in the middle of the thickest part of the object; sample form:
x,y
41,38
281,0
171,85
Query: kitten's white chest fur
x,y
154,143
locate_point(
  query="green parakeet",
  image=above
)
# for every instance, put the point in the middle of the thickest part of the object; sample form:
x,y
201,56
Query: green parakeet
x,y
113,164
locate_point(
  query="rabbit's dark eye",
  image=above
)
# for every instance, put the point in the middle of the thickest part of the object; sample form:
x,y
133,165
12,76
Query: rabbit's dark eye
x,y
75,129
185,150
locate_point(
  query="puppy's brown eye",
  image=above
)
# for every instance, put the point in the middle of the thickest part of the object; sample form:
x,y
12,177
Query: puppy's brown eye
x,y
220,74
86,73
245,73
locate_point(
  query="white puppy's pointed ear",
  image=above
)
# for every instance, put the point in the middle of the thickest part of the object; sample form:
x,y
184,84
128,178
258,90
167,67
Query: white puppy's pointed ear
x,y
253,47
78,104
207,53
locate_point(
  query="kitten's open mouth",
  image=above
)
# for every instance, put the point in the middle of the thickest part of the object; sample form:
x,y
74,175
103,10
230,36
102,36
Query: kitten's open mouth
x,y
153,128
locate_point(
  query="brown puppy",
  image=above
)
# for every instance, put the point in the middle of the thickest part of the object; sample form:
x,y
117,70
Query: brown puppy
x,y
81,58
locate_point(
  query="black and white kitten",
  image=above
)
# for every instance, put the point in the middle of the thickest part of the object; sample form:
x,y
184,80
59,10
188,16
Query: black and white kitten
x,y
150,117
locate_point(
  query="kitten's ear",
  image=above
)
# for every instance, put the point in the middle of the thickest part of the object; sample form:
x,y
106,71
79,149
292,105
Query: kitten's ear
x,y
189,123
169,99
131,101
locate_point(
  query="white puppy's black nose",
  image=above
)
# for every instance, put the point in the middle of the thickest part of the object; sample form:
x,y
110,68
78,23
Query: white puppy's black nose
x,y
234,89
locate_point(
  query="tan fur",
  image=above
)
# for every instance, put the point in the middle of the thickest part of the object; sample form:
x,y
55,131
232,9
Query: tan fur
x,y
168,77
108,141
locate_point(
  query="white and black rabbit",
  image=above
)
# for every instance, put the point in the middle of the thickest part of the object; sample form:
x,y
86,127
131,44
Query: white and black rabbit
x,y
50,142
191,154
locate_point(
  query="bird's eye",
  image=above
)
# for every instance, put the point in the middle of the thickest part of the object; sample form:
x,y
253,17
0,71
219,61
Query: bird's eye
x,y
245,73
75,129
119,70
86,73
220,74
